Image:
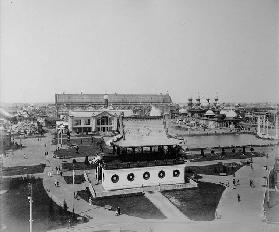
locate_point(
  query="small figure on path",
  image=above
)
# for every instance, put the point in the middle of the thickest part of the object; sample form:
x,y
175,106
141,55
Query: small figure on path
x,y
228,183
117,213
238,197
251,183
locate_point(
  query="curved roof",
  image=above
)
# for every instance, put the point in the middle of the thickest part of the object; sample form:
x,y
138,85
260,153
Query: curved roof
x,y
209,113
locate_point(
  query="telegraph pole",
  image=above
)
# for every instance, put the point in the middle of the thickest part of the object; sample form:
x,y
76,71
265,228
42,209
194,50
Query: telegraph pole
x,y
30,203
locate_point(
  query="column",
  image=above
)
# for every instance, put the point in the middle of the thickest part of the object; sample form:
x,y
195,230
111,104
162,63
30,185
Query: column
x,y
93,123
70,121
114,123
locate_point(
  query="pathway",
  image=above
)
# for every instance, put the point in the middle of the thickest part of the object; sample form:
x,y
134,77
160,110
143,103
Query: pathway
x,y
166,207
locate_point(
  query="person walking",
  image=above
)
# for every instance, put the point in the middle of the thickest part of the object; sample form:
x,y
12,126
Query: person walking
x,y
238,197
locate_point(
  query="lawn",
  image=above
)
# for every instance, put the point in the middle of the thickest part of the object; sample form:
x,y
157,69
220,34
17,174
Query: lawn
x,y
214,169
198,204
133,205
77,166
14,209
78,179
22,170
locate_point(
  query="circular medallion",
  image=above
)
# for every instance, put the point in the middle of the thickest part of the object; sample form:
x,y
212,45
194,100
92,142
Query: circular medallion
x,y
115,178
131,177
176,173
161,174
146,175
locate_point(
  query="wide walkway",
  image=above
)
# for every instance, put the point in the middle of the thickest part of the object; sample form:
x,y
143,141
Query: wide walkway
x,y
250,206
166,207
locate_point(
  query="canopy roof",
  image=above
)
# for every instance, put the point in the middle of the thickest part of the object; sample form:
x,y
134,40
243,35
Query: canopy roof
x,y
146,141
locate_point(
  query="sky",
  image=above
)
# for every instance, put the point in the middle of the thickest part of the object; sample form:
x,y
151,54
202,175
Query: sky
x,y
183,47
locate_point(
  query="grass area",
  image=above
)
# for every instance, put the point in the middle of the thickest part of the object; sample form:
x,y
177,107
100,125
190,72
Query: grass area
x,y
133,205
77,166
22,170
14,208
214,169
198,204
87,147
78,179
226,156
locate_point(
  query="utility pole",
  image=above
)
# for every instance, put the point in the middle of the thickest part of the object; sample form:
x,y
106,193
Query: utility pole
x,y
30,203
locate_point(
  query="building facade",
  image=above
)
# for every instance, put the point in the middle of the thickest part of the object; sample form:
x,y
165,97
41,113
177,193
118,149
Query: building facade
x,y
86,122
139,103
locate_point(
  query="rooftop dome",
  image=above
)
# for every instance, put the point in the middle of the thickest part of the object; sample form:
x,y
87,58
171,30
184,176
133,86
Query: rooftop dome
x,y
209,113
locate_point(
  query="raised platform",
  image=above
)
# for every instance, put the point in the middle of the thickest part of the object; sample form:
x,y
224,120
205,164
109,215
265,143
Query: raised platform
x,y
100,192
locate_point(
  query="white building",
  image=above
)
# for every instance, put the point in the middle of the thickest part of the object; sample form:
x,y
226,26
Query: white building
x,y
96,121
146,157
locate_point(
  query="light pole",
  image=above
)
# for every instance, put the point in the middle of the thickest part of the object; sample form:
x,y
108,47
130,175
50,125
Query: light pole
x,y
73,186
30,210
267,196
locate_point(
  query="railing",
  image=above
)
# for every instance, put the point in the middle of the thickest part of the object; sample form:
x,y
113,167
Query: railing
x,y
92,190
142,164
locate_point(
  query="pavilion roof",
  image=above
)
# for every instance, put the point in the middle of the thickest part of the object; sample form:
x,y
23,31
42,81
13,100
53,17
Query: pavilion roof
x,y
147,141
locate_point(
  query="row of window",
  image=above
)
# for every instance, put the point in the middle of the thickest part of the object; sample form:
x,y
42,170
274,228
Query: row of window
x,y
77,122
146,176
100,121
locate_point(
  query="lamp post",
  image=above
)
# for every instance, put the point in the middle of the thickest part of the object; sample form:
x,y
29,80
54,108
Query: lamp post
x,y
73,186
267,196
30,209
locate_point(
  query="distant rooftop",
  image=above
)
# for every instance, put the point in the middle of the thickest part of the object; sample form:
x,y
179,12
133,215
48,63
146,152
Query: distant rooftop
x,y
112,98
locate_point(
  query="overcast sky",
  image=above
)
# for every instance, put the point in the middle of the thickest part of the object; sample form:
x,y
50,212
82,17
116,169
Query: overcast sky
x,y
140,46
